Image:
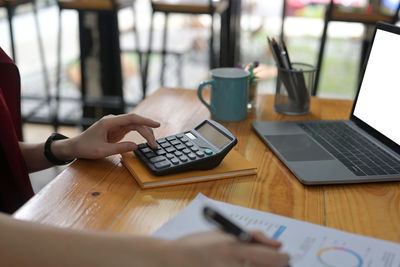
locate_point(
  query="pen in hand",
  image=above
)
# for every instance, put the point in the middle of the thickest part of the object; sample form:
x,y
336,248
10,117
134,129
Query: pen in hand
x,y
226,226
229,227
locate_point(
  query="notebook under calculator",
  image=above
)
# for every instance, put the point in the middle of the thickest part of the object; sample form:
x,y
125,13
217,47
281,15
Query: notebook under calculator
x,y
365,148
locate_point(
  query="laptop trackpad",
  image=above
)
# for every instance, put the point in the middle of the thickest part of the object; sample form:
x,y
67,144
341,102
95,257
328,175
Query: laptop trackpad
x,y
298,147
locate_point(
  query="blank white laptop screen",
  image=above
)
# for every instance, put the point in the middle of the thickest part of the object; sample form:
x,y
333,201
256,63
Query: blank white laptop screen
x,y
378,102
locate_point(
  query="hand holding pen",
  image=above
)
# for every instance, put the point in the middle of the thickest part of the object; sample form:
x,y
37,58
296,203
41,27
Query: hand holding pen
x,y
270,246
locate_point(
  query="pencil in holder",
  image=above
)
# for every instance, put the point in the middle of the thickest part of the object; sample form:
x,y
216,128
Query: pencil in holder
x,y
293,89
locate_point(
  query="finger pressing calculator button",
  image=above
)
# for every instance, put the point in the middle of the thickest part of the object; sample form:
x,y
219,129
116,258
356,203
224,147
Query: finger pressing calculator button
x,y
150,155
186,151
162,164
175,161
183,158
200,154
191,156
146,150
157,159
208,152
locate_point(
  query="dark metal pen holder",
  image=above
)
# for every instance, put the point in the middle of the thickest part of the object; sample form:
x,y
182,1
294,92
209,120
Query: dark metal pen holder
x,y
293,89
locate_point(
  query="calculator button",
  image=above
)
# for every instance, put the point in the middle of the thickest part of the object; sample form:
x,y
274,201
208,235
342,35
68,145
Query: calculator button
x,y
194,148
186,151
180,136
183,158
150,155
189,144
175,142
146,150
175,161
161,152
170,138
184,139
180,147
142,145
162,164
157,159
191,156
200,154
178,153
169,156
161,140
170,149
166,144
208,152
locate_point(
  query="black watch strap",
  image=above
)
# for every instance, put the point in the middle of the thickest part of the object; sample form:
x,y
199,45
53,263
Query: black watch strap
x,y
47,149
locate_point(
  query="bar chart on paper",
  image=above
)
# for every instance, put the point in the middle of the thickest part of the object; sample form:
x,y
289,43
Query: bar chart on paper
x,y
271,229
309,245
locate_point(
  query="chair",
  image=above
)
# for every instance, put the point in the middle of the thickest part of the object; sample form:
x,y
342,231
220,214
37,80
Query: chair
x,y
11,6
98,6
195,7
368,17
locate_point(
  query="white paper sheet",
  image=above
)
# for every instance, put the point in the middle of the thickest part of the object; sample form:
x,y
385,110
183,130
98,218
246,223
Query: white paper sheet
x,y
309,245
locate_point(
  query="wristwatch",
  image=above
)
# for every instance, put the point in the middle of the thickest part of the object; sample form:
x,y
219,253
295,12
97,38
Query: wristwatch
x,y
47,150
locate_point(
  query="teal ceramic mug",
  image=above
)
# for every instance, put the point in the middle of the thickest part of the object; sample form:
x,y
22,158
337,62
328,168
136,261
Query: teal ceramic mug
x,y
229,89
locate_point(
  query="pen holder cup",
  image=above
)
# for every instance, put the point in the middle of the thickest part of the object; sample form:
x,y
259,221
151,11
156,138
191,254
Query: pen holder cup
x,y
293,89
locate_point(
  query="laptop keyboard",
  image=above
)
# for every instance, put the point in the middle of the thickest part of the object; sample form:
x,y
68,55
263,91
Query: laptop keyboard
x,y
356,152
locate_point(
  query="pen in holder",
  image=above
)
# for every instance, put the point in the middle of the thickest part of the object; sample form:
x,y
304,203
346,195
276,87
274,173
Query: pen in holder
x,y
293,89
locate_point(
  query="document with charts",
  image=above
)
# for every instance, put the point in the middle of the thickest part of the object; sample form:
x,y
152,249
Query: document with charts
x,y
309,245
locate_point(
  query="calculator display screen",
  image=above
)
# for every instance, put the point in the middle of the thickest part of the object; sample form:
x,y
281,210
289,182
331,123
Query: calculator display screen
x,y
213,135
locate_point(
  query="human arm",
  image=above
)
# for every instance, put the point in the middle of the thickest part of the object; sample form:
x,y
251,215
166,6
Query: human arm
x,y
32,244
220,249
100,140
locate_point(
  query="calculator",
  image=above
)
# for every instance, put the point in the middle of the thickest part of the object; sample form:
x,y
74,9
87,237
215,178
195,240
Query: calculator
x,y
202,148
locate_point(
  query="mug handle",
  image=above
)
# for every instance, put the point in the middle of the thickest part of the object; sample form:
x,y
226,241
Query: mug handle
x,y
200,95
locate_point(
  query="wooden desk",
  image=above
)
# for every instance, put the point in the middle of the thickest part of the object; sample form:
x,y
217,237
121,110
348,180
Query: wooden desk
x,y
101,194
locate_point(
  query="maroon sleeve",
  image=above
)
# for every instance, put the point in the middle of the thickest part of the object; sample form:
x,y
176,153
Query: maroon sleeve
x,y
15,186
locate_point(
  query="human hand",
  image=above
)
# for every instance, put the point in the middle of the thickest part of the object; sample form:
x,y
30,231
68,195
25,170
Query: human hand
x,y
102,138
219,249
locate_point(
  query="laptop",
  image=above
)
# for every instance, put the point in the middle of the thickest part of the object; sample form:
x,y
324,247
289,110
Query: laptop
x,y
365,148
